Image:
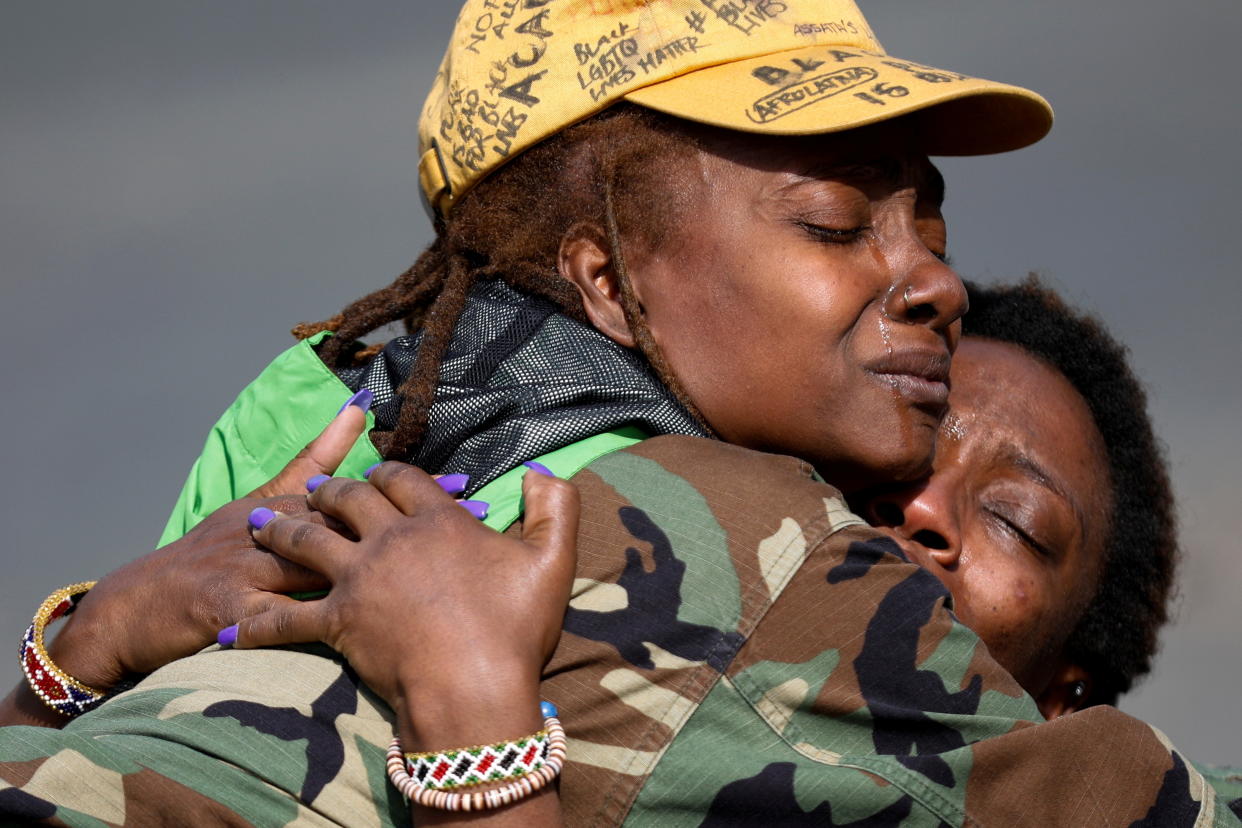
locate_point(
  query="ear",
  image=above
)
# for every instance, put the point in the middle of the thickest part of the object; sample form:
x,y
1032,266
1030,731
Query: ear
x,y
584,259
1068,691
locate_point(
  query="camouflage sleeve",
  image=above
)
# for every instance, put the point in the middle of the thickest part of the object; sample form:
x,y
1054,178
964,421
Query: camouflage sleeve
x,y
225,737
1228,785
741,649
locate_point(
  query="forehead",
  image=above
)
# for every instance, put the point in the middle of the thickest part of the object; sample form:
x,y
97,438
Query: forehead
x,y
1013,408
885,157
1000,380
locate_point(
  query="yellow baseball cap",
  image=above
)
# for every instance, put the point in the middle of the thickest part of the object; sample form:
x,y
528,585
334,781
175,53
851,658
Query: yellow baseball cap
x,y
518,71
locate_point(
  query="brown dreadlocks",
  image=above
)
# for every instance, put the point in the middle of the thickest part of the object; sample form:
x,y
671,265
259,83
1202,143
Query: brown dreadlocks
x,y
612,171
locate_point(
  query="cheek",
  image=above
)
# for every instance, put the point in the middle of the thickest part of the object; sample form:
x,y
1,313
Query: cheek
x,y
742,322
700,300
1005,606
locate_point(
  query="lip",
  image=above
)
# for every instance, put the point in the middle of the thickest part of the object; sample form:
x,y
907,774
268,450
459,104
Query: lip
x,y
920,376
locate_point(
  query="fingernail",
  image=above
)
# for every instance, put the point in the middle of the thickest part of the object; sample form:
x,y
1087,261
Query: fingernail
x,y
227,637
317,481
360,400
261,517
536,466
478,508
372,468
454,483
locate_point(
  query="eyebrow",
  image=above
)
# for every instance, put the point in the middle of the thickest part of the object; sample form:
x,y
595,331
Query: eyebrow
x,y
888,170
1036,473
885,169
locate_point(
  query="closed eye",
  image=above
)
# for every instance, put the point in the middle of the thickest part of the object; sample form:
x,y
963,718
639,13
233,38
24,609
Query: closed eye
x,y
1021,534
834,235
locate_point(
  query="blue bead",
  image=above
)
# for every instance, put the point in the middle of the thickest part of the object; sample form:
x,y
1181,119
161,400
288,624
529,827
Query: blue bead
x,y
547,709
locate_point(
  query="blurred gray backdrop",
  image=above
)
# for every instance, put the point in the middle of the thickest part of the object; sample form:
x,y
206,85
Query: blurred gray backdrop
x,y
180,182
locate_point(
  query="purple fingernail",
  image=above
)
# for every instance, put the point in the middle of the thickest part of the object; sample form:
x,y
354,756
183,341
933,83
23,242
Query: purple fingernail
x,y
227,637
478,508
372,468
317,481
261,517
536,466
360,400
454,483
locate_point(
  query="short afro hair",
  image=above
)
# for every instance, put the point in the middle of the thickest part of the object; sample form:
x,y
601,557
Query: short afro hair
x,y
1116,637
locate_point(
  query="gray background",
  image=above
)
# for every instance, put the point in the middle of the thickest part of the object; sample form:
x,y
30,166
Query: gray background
x,y
180,182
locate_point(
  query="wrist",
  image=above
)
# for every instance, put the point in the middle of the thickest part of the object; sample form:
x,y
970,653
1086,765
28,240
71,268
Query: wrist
x,y
78,649
514,775
459,709
22,707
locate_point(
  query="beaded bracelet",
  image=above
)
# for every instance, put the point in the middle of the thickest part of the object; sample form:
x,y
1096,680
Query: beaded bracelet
x,y
466,767
540,769
56,688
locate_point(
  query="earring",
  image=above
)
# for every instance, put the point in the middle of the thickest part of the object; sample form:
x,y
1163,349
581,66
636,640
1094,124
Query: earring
x,y
1078,690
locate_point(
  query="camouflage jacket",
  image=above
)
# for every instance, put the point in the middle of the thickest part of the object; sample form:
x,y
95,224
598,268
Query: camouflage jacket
x,y
739,649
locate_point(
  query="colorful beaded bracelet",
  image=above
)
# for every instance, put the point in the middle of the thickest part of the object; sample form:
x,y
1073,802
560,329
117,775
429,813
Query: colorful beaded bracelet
x,y
56,688
466,767
543,769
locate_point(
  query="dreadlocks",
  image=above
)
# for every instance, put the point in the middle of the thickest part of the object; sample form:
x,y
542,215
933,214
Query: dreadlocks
x,y
612,170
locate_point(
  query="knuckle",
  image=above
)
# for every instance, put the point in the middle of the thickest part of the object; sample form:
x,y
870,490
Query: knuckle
x,y
441,518
400,470
213,609
564,492
404,477
301,533
344,489
287,504
282,624
391,538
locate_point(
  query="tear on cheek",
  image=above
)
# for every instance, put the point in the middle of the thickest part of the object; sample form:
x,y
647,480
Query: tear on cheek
x,y
952,428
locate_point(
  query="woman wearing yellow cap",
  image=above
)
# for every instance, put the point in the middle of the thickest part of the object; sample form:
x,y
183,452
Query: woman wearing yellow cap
x,y
656,222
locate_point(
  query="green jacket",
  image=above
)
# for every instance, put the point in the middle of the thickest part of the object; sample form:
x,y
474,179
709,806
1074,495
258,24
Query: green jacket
x,y
739,649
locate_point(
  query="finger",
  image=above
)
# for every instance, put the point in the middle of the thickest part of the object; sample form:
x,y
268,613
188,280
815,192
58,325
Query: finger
x,y
286,504
257,602
301,541
551,521
289,505
286,622
409,488
454,484
323,454
356,503
266,570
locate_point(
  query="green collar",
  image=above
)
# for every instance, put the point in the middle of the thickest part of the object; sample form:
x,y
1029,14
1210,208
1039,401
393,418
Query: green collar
x,y
504,494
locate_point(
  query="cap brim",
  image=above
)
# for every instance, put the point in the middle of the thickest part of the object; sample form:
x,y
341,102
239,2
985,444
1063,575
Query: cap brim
x,y
821,89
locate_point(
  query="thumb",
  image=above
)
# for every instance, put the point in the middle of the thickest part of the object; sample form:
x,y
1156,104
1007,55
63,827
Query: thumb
x,y
323,454
551,521
288,621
